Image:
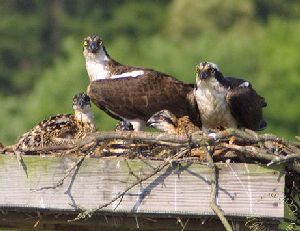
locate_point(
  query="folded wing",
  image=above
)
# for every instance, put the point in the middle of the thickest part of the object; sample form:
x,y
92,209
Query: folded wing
x,y
246,105
141,97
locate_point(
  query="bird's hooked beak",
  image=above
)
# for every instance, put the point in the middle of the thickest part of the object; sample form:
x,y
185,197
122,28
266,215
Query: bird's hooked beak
x,y
94,47
203,71
150,122
203,74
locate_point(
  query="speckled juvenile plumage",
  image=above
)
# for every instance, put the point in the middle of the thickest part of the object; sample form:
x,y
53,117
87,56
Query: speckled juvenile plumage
x,y
60,129
185,126
166,121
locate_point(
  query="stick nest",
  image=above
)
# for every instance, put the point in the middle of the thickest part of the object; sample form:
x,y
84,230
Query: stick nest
x,y
229,145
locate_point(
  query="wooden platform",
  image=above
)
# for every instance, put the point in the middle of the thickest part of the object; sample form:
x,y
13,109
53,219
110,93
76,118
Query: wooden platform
x,y
178,191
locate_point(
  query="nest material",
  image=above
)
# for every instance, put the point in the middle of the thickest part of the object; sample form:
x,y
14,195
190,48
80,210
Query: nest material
x,y
228,145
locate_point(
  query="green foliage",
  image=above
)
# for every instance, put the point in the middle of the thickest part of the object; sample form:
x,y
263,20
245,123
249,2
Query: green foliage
x,y
194,18
42,65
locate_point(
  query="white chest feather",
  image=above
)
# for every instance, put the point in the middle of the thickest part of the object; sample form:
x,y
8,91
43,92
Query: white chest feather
x,y
214,110
96,70
86,117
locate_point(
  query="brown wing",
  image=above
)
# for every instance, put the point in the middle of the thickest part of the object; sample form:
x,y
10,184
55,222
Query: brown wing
x,y
246,106
141,97
193,110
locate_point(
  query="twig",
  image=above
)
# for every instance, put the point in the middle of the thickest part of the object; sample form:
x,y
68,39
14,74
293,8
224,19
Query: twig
x,y
89,213
249,143
131,172
62,180
261,154
213,194
21,162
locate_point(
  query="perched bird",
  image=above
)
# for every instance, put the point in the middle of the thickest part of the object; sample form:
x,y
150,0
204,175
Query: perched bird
x,y
166,121
134,93
226,102
59,129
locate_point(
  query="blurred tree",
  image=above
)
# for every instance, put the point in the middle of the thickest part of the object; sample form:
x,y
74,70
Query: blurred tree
x,y
278,71
193,18
36,29
42,66
286,9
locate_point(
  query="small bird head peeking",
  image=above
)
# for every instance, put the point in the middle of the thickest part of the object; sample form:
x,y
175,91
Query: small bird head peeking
x,y
81,102
163,120
82,107
124,125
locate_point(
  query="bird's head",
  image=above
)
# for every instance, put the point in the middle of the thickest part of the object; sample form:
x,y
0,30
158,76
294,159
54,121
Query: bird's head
x,y
81,103
124,125
163,120
92,45
206,71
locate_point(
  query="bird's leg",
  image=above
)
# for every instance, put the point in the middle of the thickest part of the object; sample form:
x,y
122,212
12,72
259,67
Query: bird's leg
x,y
138,125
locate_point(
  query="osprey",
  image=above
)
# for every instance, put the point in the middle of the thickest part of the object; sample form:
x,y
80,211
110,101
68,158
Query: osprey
x,y
167,122
226,102
59,129
134,93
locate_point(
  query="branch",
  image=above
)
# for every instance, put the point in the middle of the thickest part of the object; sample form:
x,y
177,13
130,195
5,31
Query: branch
x,y
251,144
89,213
59,183
213,195
260,154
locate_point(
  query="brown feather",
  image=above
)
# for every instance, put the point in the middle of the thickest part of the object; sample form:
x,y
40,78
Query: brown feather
x,y
53,131
141,97
185,127
246,106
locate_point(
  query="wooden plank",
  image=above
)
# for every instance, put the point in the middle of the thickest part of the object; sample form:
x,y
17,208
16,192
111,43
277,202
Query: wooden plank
x,y
244,189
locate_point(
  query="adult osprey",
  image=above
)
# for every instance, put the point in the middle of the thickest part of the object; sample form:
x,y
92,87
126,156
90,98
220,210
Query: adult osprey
x,y
227,102
134,93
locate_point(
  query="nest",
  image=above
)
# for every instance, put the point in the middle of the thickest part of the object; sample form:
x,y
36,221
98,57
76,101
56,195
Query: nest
x,y
229,145
225,146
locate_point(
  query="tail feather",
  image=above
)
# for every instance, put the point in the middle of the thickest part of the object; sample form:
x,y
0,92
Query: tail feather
x,y
262,125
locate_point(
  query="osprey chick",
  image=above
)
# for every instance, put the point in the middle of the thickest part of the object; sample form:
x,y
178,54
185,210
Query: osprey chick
x,y
227,102
166,121
61,128
134,93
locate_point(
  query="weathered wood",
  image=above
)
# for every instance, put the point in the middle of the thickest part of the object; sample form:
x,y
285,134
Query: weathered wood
x,y
244,189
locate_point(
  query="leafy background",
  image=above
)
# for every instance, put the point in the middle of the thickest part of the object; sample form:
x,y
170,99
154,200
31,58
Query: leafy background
x,y
42,65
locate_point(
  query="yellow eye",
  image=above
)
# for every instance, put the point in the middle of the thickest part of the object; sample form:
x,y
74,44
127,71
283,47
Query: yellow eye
x,y
85,43
100,42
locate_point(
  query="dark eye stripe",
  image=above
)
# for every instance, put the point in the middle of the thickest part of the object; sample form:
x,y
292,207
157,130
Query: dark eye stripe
x,y
169,121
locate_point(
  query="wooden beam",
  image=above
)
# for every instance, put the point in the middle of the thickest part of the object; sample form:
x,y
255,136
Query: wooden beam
x,y
244,189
